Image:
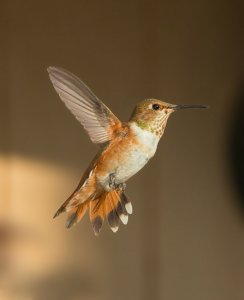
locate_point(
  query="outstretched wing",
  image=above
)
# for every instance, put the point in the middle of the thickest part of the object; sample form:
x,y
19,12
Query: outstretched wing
x,y
100,123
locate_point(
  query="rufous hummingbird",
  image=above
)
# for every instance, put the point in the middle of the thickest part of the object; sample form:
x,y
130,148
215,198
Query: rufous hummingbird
x,y
125,149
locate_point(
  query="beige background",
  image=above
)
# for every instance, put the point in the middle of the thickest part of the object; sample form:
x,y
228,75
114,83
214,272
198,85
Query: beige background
x,y
185,239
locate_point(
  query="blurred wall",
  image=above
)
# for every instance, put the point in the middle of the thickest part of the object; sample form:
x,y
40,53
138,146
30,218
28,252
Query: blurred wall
x,y
185,237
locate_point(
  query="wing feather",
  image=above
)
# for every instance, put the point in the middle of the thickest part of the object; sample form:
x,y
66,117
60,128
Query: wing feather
x,y
97,119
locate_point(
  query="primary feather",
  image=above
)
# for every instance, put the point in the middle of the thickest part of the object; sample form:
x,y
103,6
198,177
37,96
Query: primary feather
x,y
96,117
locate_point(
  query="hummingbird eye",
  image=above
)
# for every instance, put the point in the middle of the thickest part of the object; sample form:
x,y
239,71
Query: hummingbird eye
x,y
156,106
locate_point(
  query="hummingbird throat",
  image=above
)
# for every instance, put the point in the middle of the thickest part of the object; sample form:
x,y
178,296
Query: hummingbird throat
x,y
154,126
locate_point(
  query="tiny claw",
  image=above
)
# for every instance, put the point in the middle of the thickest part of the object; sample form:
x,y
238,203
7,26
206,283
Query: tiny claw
x,y
114,185
122,187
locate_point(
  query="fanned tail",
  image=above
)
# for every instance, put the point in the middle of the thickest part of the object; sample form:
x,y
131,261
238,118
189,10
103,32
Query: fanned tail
x,y
113,206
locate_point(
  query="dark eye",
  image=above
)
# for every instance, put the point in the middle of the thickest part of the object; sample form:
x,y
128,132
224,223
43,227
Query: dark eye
x,y
155,106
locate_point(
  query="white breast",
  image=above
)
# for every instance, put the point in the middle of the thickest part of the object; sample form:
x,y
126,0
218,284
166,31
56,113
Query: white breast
x,y
148,141
135,157
138,155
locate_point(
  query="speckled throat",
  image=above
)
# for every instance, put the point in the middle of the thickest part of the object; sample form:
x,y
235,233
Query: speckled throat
x,y
149,120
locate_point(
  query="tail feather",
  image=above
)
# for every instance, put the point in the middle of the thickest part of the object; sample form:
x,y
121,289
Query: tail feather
x,y
113,218
61,209
71,219
121,211
126,204
113,205
97,213
71,203
76,214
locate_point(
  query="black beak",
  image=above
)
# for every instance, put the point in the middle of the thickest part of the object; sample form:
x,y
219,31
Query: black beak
x,y
184,106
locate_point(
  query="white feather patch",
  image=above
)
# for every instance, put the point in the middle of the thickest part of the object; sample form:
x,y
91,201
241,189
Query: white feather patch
x,y
124,219
84,183
128,208
114,229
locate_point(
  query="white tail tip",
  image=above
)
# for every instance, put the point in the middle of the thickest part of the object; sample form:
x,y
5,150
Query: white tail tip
x,y
124,219
128,208
114,229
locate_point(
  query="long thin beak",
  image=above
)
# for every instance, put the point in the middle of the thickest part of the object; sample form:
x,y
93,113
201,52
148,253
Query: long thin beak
x,y
184,106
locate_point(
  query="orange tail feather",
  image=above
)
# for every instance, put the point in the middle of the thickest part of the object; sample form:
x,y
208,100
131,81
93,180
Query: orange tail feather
x,y
112,205
76,214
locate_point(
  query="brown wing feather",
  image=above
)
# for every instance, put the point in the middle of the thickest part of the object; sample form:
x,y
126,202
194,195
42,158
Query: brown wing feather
x,y
97,119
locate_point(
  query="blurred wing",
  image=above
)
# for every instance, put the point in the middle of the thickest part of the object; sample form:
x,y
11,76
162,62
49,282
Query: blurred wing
x,y
97,119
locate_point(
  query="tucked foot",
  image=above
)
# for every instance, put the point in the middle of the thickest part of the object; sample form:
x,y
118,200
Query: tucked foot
x,y
114,185
122,186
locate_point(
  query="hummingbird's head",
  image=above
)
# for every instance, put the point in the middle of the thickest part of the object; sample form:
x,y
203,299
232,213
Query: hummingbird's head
x,y
152,114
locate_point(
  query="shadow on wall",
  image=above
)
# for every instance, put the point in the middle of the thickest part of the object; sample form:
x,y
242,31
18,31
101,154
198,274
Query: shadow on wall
x,y
236,148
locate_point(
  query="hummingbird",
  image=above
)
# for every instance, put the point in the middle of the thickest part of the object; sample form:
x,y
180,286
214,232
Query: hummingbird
x,y
125,148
